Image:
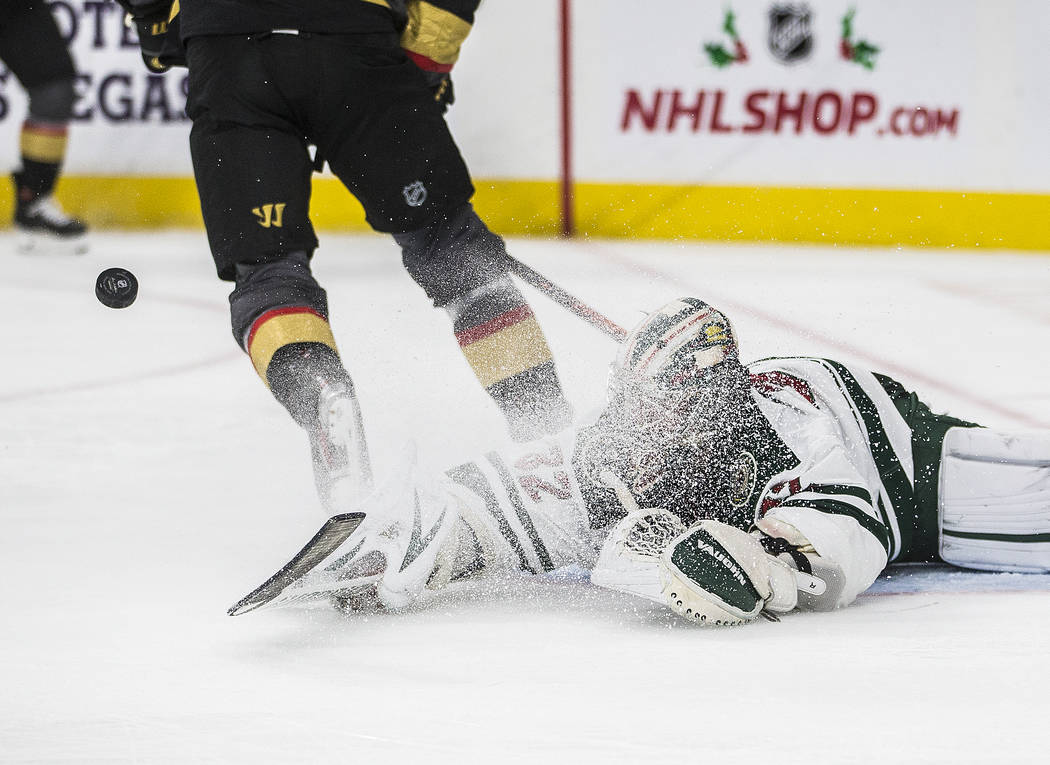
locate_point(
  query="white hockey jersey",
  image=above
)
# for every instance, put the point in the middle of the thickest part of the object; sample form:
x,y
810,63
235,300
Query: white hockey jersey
x,y
846,456
863,488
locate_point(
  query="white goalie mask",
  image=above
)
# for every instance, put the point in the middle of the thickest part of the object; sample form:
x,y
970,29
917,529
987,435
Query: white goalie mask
x,y
677,359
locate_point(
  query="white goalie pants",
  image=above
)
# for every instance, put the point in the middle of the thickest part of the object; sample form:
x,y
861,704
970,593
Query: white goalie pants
x,y
994,506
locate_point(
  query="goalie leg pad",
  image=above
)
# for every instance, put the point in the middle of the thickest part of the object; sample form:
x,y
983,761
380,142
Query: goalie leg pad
x,y
994,500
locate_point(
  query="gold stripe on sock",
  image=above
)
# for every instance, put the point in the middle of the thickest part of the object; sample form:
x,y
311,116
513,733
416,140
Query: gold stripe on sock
x,y
47,145
505,353
275,329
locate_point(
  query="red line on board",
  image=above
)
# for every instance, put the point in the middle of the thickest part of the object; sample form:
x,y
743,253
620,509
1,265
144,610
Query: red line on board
x,y
568,223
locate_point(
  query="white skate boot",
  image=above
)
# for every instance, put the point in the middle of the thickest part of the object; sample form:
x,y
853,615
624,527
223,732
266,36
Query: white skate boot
x,y
342,467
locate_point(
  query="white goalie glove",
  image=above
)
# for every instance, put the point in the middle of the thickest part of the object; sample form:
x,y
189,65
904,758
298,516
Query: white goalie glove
x,y
712,573
717,574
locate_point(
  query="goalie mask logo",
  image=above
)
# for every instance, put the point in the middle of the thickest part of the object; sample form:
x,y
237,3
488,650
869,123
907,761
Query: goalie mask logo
x,y
790,33
742,476
415,194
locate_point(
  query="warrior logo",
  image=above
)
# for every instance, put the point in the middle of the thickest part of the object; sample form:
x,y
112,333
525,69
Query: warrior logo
x,y
790,33
742,475
415,193
270,215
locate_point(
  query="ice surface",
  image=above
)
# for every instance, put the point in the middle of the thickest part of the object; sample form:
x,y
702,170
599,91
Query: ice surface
x,y
147,481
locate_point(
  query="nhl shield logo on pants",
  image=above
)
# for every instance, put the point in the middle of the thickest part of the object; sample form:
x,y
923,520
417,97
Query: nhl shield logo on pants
x,y
415,193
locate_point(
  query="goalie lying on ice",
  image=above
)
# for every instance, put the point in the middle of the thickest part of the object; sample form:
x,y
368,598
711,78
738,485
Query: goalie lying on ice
x,y
719,489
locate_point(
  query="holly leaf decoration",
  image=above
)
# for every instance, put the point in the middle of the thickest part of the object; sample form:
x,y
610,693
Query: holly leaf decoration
x,y
864,54
847,24
719,56
730,25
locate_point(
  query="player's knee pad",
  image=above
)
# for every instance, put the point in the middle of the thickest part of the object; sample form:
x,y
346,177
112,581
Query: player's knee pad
x,y
51,102
285,282
994,500
455,254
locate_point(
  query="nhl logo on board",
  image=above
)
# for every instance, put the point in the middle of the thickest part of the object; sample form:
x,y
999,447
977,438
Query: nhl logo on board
x,y
415,193
790,32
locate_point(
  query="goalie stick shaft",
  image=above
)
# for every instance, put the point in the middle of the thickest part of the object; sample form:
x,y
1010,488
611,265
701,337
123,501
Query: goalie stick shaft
x,y
535,279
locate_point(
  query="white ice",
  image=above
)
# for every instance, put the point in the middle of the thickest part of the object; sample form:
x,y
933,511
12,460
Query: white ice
x,y
148,481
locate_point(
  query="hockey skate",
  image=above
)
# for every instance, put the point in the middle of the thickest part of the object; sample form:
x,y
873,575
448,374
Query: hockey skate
x,y
342,468
44,227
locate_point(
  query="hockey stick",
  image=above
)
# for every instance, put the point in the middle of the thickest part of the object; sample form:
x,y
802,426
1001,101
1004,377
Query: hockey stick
x,y
535,279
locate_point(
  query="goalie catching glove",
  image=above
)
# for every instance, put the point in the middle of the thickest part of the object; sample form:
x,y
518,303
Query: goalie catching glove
x,y
717,574
157,24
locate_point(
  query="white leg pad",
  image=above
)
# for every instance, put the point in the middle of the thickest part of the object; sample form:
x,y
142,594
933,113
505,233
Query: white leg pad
x,y
995,500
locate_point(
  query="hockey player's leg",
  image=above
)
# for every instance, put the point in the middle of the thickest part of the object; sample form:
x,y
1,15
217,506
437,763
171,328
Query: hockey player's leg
x,y
280,318
994,500
33,49
461,264
254,184
394,152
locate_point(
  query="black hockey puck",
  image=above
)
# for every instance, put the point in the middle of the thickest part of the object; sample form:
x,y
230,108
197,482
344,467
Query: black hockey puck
x,y
116,288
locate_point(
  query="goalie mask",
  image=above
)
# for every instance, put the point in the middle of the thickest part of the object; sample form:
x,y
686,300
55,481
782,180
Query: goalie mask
x,y
677,392
678,344
679,362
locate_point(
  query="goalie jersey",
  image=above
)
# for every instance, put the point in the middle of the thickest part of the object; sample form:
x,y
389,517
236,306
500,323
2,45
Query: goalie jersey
x,y
858,474
846,456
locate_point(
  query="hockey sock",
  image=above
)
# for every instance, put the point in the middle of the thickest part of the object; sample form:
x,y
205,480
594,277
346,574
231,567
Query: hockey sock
x,y
504,345
294,352
43,147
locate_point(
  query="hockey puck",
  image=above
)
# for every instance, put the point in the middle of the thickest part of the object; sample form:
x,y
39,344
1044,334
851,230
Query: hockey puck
x,y
116,288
